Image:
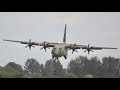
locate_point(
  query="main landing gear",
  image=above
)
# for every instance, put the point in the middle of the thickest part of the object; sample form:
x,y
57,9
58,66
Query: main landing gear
x,y
57,57
65,57
54,57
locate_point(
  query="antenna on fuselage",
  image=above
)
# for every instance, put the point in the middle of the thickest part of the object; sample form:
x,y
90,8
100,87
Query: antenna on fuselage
x,y
64,37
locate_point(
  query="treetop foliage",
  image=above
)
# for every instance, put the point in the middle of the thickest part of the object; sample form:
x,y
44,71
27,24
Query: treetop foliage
x,y
80,67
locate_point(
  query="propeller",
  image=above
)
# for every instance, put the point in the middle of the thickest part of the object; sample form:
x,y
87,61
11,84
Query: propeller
x,y
45,45
73,48
88,49
30,44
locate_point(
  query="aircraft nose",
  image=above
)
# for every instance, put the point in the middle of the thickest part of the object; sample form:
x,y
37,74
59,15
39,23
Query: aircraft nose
x,y
56,52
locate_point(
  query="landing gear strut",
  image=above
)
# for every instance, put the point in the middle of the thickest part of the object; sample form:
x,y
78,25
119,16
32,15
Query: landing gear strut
x,y
65,57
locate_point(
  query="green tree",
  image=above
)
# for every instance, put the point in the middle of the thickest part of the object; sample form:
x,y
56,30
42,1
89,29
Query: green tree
x,y
53,68
58,71
15,66
42,69
110,64
32,66
10,72
94,62
49,68
78,66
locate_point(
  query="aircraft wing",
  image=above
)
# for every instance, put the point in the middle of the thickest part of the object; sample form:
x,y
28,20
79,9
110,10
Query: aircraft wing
x,y
98,48
75,46
22,42
33,43
69,46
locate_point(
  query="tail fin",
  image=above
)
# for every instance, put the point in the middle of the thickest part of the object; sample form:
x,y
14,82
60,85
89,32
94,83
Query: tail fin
x,y
64,38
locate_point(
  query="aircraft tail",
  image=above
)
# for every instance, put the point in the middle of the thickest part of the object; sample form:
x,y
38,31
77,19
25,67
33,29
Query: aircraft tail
x,y
64,37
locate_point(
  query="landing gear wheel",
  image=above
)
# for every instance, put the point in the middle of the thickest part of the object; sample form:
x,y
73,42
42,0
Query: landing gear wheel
x,y
52,56
65,57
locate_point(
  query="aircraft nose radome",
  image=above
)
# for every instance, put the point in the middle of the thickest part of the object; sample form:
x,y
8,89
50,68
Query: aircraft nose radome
x,y
56,52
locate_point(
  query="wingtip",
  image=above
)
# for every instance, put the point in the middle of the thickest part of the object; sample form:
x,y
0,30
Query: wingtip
x,y
115,48
3,39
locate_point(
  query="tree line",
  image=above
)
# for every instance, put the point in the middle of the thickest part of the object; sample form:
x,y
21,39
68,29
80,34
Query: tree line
x,y
80,67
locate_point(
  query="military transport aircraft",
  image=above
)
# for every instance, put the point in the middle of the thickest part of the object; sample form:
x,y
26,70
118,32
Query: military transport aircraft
x,y
60,49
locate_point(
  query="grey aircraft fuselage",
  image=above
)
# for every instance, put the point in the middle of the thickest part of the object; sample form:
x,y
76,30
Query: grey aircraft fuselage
x,y
59,50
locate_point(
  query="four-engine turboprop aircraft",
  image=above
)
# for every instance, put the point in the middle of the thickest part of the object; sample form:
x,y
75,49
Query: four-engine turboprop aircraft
x,y
60,49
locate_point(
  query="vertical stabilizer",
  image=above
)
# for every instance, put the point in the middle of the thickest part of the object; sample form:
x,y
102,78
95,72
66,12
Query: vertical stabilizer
x,y
64,37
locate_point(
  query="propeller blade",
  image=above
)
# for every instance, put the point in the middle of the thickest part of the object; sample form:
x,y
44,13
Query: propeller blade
x,y
76,50
45,45
33,46
88,52
45,49
42,48
29,48
85,50
26,46
92,50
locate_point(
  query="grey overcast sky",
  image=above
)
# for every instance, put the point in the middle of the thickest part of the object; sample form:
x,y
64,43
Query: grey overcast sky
x,y
95,28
